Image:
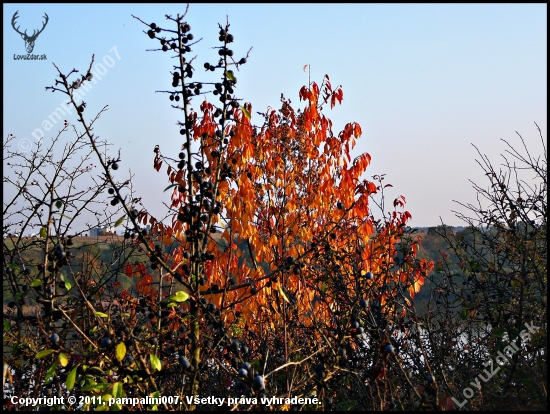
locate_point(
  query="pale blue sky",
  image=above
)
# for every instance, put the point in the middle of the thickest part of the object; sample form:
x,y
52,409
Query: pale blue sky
x,y
423,81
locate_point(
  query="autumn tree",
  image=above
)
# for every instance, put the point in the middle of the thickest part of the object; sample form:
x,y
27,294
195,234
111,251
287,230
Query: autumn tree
x,y
295,201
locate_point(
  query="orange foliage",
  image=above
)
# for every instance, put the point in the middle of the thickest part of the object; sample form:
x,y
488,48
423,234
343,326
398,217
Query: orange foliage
x,y
292,198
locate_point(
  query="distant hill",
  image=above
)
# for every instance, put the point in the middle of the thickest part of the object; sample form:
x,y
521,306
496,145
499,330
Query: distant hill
x,y
106,248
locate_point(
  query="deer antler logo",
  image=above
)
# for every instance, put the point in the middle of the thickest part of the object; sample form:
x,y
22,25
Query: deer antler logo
x,y
29,40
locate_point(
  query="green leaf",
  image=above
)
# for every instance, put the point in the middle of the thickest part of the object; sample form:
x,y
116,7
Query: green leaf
x,y
155,394
63,359
171,305
97,369
13,266
71,378
155,362
117,390
170,186
44,353
43,232
36,282
68,285
104,403
7,325
50,373
120,351
69,217
18,295
463,314
119,221
59,203
96,387
245,112
229,76
102,315
180,296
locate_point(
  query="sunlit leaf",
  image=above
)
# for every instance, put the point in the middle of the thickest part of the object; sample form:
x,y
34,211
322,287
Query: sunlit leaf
x,y
229,75
63,359
155,362
71,378
120,351
282,292
105,398
179,296
44,353
245,112
117,390
119,221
